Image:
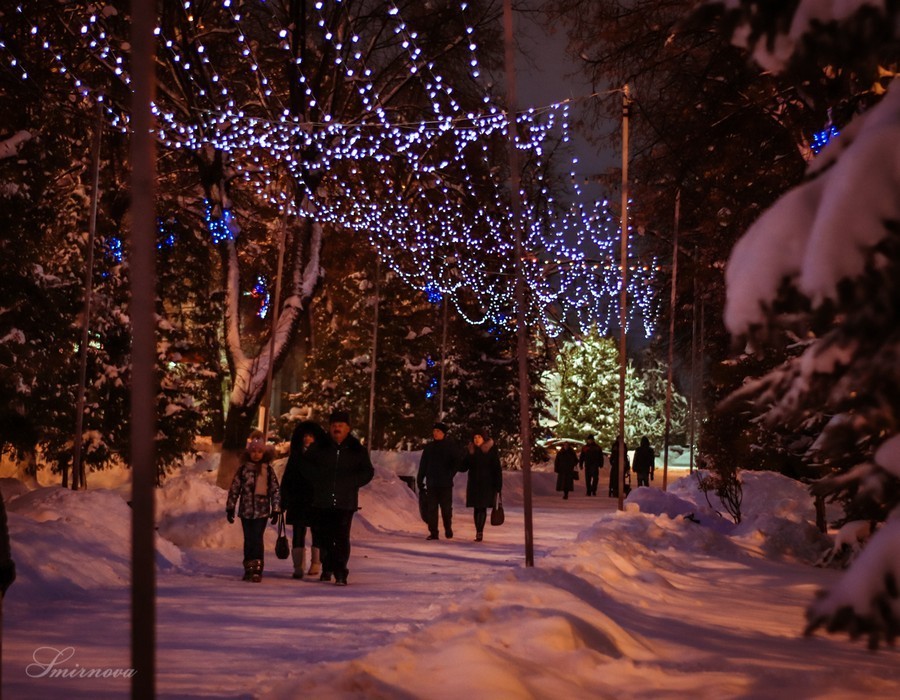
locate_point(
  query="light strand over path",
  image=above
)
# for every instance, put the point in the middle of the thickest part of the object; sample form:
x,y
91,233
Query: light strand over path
x,y
428,194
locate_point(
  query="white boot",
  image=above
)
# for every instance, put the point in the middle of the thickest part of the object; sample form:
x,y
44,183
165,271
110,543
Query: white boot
x,y
315,564
297,555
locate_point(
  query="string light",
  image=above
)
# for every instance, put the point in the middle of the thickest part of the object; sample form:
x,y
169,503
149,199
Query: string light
x,y
450,201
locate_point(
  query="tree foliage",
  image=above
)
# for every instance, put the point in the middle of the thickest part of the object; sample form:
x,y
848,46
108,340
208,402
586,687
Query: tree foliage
x,y
584,394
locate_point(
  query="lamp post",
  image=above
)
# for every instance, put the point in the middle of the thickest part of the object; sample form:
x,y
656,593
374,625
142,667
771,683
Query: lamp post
x,y
623,295
521,328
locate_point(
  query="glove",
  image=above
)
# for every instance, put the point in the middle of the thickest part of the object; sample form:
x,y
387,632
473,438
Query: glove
x,y
230,515
275,515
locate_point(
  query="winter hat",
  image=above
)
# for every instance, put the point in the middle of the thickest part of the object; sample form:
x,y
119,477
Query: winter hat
x,y
256,445
484,432
442,427
339,416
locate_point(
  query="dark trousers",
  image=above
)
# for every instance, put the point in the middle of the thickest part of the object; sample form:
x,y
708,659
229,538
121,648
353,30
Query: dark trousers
x,y
334,547
643,479
591,477
298,536
440,497
254,529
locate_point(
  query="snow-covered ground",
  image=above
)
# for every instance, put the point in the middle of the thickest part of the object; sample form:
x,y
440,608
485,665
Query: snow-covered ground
x,y
639,604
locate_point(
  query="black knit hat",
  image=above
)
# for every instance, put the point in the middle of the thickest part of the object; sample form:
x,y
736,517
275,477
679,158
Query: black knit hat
x,y
442,427
339,416
484,432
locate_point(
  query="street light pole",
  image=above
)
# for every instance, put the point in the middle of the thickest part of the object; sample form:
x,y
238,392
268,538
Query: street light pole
x,y
521,329
623,295
671,339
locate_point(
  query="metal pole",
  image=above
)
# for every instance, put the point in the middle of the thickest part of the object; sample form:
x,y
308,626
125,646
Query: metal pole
x,y
276,308
693,363
671,338
79,477
623,294
521,329
374,348
143,350
443,362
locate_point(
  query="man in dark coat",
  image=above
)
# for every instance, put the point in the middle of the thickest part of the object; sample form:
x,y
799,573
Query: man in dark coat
x,y
644,462
336,469
591,459
439,463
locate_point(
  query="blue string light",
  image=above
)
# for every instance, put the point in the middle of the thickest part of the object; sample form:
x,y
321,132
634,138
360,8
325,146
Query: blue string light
x,y
822,138
219,227
261,292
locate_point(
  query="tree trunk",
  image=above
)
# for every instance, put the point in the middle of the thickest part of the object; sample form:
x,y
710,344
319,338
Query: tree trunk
x,y
237,428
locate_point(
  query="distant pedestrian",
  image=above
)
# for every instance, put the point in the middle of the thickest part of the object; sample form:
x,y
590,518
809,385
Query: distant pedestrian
x,y
591,459
614,468
439,463
482,462
296,499
644,462
336,468
254,490
565,465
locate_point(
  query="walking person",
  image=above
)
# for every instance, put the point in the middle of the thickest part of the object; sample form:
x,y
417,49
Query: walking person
x,y
254,490
566,465
437,467
644,462
591,459
614,469
336,469
296,499
485,482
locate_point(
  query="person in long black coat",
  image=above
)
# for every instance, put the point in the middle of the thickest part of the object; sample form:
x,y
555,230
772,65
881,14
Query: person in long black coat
x,y
296,498
439,464
591,459
644,462
336,469
485,483
564,465
614,468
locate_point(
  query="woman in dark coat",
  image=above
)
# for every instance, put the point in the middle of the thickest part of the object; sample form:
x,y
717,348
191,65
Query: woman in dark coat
x,y
296,498
564,465
482,462
614,469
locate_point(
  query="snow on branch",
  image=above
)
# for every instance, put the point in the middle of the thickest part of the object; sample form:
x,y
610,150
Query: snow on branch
x,y
821,232
866,600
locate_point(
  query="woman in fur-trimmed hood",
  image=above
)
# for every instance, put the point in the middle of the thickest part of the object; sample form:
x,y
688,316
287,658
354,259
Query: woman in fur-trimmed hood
x,y
482,462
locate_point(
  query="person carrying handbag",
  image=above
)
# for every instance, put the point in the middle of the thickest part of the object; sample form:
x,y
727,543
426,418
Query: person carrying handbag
x,y
485,477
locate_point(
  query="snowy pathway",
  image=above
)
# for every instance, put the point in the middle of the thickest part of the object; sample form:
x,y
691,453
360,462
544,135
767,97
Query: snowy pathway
x,y
636,606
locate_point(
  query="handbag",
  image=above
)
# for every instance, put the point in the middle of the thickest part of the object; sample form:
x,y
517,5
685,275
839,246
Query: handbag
x,y
282,546
497,515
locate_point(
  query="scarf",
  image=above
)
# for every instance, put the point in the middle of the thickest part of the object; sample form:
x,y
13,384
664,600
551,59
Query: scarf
x,y
262,480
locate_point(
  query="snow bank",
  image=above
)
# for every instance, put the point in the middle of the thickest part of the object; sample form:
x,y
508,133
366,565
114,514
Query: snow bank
x,y
78,541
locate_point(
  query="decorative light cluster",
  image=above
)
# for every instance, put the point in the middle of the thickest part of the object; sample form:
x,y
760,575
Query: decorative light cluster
x,y
261,292
822,138
221,228
444,224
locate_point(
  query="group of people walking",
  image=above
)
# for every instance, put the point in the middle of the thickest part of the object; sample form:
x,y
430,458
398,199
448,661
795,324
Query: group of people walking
x,y
441,460
319,493
568,463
